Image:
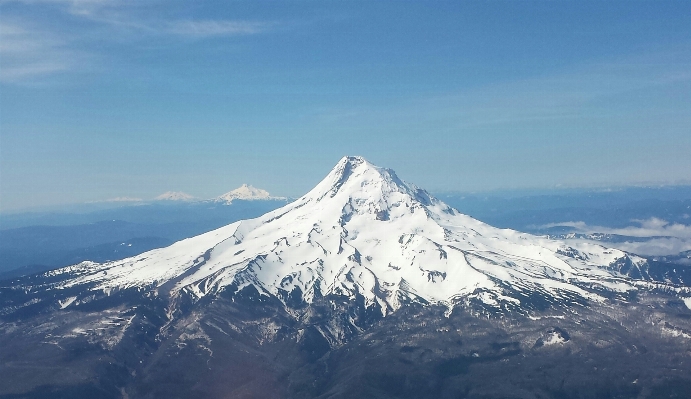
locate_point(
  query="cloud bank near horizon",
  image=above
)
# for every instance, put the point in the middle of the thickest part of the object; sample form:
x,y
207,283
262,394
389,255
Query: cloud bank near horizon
x,y
665,238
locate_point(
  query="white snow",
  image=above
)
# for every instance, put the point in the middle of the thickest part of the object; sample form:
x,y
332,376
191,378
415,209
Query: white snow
x,y
363,231
553,339
66,302
687,302
675,332
175,196
245,192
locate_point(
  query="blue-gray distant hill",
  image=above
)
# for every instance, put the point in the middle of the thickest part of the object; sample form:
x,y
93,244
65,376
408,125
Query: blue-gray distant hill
x,y
32,242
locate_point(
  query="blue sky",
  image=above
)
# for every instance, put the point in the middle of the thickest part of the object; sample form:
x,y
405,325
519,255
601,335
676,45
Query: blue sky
x,y
103,99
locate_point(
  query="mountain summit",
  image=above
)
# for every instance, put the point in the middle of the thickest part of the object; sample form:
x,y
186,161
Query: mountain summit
x,y
364,233
244,192
175,196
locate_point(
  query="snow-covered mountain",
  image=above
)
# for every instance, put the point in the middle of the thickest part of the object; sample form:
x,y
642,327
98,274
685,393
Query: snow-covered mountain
x,y
364,232
366,286
175,196
245,192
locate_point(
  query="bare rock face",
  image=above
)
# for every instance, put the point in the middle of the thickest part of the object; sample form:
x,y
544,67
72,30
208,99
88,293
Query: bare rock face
x,y
366,286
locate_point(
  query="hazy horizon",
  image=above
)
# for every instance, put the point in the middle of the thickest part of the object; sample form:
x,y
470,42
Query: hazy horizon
x,y
682,190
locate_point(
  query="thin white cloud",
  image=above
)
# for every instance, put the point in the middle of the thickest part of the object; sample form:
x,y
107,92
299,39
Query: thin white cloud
x,y
654,247
74,7
665,238
123,13
30,51
653,227
207,28
26,53
87,7
566,94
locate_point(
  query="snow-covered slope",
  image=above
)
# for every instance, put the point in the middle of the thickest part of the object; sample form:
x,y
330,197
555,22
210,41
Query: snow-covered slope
x,y
364,232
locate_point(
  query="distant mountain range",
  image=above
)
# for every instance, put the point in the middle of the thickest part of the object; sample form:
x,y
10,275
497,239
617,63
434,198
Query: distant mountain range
x,y
245,192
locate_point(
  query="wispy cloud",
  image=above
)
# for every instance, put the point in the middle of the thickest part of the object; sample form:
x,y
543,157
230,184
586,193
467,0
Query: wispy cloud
x,y
569,94
653,227
654,247
573,92
27,53
122,13
30,49
74,7
207,28
665,238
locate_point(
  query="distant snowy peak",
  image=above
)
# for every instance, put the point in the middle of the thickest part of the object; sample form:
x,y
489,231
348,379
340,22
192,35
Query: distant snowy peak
x,y
175,196
245,192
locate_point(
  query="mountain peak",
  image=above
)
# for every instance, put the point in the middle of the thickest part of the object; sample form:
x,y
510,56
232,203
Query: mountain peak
x,y
244,192
354,160
355,177
345,168
174,196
